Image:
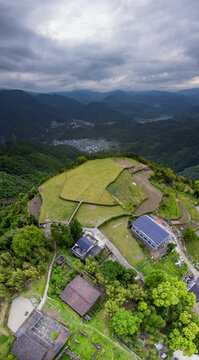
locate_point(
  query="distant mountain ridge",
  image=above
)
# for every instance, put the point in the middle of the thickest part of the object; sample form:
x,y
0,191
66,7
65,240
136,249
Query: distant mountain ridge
x,y
42,118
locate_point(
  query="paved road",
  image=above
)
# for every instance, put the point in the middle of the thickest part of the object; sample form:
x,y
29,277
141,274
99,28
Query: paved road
x,y
43,300
99,235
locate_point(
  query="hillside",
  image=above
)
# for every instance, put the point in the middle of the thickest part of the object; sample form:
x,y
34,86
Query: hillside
x,y
52,118
23,165
112,192
23,117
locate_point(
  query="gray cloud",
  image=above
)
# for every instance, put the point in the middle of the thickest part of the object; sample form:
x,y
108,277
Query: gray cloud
x,y
100,44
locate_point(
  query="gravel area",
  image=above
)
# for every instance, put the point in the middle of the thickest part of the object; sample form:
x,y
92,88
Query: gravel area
x,y
179,355
20,306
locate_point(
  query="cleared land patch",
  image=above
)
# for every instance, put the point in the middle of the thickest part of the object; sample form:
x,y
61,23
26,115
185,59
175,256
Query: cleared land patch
x,y
88,182
126,191
153,195
122,238
54,208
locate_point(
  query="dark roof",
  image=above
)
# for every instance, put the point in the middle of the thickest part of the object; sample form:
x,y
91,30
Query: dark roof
x,y
96,250
27,349
151,229
84,243
195,290
80,295
35,333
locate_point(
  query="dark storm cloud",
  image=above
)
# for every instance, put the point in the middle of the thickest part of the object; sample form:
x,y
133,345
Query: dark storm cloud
x,y
140,44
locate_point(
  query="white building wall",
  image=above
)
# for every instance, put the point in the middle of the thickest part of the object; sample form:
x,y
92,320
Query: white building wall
x,y
144,237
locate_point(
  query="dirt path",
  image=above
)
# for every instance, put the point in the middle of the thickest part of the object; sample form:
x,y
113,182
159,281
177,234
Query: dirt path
x,y
99,235
2,314
43,300
154,195
185,218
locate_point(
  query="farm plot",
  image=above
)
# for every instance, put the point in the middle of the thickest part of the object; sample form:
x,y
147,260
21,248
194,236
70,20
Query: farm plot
x,y
154,195
126,191
54,208
88,182
123,239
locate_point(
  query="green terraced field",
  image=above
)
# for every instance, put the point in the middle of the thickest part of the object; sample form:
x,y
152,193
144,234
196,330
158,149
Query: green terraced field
x,y
126,191
88,182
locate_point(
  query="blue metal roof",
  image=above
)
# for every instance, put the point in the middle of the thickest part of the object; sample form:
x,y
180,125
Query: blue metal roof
x,y
84,243
151,229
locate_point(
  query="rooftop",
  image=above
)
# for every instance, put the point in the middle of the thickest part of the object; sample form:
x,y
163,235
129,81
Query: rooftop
x,y
195,289
34,340
80,295
84,243
151,229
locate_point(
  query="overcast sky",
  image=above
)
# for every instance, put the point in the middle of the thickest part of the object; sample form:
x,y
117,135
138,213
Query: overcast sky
x,y
51,45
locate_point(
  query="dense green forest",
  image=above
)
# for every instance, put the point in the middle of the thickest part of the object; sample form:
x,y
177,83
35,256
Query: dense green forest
x,y
23,165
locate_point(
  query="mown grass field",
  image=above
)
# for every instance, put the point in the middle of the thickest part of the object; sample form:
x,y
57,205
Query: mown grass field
x,y
94,215
56,209
126,191
123,239
96,329
193,249
53,207
88,182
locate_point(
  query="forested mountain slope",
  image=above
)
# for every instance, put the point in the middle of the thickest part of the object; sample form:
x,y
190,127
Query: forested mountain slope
x,y
24,164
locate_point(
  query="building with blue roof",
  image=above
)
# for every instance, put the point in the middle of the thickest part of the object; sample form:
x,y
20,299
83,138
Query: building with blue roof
x,y
150,232
85,247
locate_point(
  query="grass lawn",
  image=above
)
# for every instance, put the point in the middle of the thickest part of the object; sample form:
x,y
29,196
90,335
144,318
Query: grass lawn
x,y
122,238
37,288
126,191
84,348
94,215
94,329
190,204
167,264
52,206
88,182
193,249
6,343
169,206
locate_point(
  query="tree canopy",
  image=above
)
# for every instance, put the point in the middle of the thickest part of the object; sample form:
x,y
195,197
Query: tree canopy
x,y
26,239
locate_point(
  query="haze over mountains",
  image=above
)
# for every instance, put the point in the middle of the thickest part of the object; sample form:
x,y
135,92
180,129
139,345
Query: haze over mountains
x,y
129,118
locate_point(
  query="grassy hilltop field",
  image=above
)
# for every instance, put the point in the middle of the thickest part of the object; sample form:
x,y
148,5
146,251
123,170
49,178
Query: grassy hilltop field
x,y
111,190
98,184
